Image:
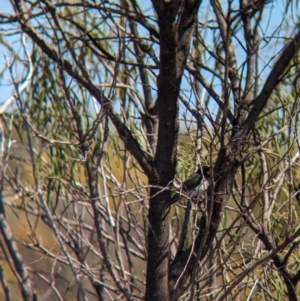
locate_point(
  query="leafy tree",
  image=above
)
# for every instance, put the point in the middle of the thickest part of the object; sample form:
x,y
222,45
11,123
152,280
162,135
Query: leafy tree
x,y
91,149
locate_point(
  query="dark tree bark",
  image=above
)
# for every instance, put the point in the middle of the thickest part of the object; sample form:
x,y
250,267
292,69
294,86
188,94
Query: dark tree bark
x,y
176,21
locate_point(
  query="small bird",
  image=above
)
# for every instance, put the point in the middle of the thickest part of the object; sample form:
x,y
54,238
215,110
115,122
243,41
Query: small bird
x,y
195,185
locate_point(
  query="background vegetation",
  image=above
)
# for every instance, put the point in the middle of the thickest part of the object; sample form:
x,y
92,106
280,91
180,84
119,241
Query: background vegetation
x,y
113,105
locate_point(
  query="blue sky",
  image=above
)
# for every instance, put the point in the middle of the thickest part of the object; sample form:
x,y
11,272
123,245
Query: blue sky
x,y
272,17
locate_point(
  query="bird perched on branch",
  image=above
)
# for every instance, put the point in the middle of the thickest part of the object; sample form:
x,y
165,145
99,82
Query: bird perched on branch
x,y
195,186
